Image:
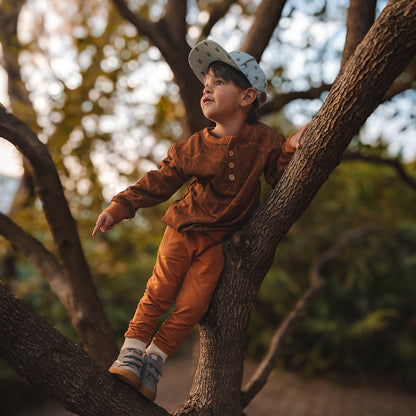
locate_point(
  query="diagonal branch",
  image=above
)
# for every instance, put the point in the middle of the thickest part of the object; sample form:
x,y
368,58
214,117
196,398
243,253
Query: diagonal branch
x,y
259,378
48,187
263,371
394,163
44,260
61,369
359,20
216,12
280,100
86,308
399,87
142,25
266,19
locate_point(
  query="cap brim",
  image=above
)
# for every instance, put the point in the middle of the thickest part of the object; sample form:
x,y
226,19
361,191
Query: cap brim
x,y
206,52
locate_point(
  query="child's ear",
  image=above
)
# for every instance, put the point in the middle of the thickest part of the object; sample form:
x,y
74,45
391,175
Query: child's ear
x,y
248,97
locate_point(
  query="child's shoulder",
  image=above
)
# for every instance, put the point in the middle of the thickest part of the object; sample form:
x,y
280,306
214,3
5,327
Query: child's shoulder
x,y
267,134
191,144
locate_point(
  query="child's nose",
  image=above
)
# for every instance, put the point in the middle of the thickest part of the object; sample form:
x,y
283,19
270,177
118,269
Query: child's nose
x,y
207,89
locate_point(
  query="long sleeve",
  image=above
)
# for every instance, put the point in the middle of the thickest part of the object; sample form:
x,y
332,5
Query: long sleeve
x,y
278,161
154,187
226,176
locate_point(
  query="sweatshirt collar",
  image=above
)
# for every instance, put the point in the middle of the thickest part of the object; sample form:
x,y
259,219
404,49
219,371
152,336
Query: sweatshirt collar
x,y
227,139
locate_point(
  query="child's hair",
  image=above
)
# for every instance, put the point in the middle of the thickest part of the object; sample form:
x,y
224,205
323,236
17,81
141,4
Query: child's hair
x,y
228,73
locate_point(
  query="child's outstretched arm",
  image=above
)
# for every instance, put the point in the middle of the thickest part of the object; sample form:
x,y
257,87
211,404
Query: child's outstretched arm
x,y
104,223
295,138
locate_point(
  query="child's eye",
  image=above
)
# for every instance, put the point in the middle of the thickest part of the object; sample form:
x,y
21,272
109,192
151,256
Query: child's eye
x,y
219,82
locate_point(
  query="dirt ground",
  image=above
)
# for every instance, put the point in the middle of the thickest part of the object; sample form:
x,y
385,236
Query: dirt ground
x,y
286,394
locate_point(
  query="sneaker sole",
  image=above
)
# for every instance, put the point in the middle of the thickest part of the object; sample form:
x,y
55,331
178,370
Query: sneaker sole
x,y
149,394
126,376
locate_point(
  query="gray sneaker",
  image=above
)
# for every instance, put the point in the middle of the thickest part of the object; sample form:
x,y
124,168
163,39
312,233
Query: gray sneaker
x,y
128,366
152,370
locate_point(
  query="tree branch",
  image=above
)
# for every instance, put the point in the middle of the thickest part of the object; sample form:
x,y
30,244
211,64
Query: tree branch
x,y
16,89
61,369
266,19
399,87
216,12
357,91
261,375
43,259
175,19
169,36
86,309
359,20
142,25
280,100
394,163
263,371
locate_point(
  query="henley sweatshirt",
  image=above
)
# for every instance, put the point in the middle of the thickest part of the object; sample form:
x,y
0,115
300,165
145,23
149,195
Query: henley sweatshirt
x,y
225,179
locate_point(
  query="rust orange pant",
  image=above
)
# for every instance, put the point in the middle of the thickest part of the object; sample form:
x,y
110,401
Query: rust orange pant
x,y
187,269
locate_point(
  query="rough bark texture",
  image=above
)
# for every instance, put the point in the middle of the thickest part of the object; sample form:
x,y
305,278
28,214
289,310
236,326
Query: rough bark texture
x,y
61,369
360,18
70,280
216,390
376,63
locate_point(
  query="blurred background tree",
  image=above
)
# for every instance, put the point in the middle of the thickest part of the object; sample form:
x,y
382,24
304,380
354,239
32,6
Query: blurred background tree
x,y
105,101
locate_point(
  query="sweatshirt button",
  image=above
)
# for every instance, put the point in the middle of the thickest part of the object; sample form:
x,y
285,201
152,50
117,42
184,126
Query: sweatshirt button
x,y
232,177
231,152
231,165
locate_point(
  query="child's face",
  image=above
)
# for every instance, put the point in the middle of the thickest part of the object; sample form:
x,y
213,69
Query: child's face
x,y
221,99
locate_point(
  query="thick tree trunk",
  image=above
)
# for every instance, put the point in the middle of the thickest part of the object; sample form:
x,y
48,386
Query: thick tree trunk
x,y
378,60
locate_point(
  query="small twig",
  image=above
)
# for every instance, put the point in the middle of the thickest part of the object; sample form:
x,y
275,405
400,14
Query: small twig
x,y
394,163
259,379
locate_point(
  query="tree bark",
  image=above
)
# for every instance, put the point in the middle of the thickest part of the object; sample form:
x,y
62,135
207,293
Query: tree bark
x,y
61,369
378,60
19,99
80,299
360,17
267,17
169,36
216,389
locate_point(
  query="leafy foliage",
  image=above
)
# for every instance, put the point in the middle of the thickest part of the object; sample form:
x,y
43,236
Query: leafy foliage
x,y
364,322
103,133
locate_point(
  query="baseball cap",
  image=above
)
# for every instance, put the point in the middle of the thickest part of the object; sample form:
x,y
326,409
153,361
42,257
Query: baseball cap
x,y
208,51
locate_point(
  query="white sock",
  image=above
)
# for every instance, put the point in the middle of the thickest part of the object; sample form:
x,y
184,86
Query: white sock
x,y
154,349
134,343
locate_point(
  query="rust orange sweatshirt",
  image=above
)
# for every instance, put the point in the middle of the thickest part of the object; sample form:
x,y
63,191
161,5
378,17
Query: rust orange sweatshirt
x,y
225,173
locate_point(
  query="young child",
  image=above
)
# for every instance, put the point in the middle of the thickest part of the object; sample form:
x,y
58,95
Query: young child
x,y
225,162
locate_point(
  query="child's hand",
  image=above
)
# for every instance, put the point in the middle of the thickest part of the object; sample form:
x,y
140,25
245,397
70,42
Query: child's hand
x,y
295,138
104,223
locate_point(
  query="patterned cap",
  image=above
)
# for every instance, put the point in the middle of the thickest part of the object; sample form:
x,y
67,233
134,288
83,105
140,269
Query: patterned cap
x,y
208,51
